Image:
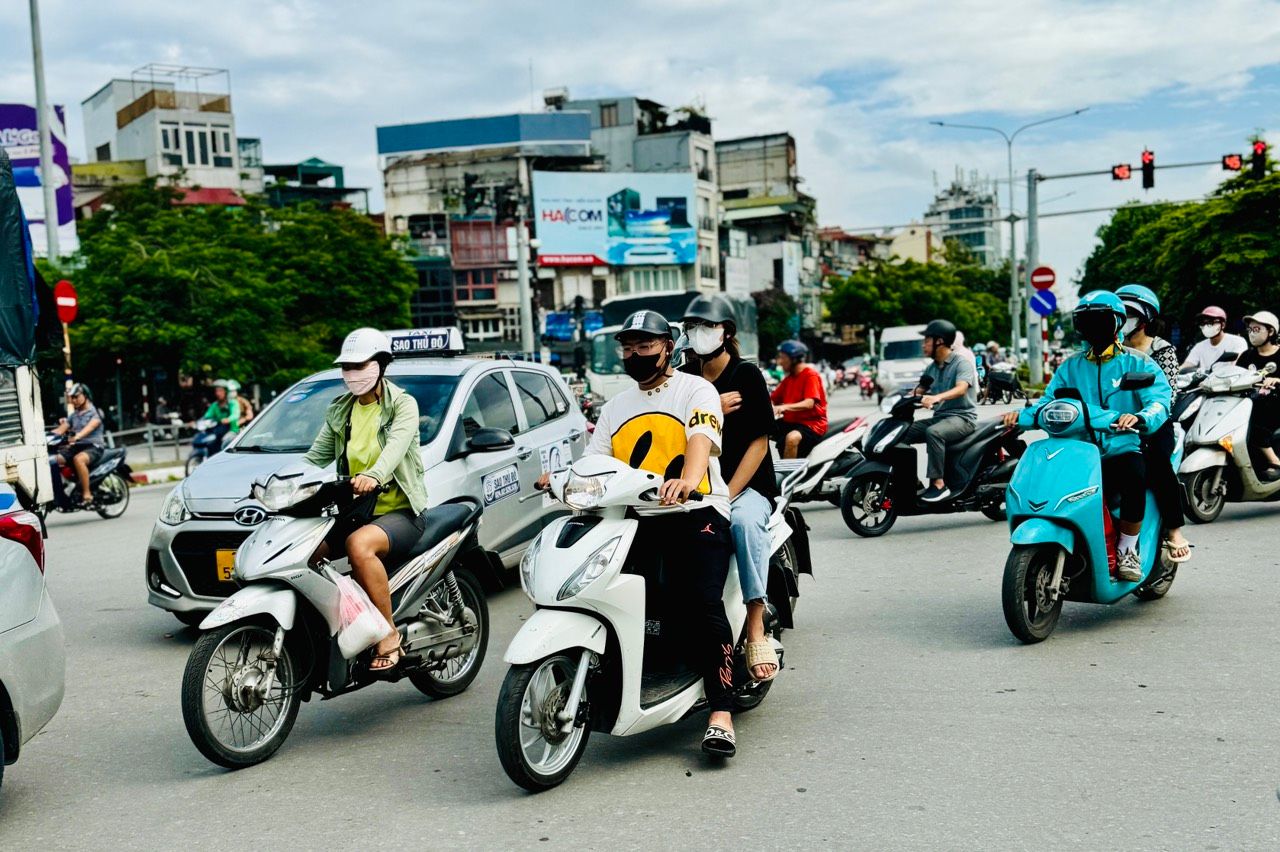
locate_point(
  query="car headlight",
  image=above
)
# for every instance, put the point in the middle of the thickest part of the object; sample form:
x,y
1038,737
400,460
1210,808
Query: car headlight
x,y
527,563
589,571
174,509
584,492
281,493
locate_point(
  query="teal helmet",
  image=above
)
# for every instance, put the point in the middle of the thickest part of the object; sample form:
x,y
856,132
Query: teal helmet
x,y
1100,300
1098,317
1142,301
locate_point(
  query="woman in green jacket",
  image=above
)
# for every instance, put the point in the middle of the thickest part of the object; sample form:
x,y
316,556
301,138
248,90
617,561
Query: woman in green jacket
x,y
372,432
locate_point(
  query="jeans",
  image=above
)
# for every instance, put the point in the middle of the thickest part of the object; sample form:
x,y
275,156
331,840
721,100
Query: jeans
x,y
749,521
935,434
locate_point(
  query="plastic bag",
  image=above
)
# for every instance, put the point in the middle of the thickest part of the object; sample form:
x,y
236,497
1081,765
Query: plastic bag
x,y
360,623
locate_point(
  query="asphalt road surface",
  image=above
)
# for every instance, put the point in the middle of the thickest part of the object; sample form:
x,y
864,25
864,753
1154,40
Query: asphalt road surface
x,y
907,717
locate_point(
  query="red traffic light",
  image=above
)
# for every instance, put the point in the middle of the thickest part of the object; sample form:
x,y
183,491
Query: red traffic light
x,y
1122,171
1233,162
1148,169
1148,157
1259,148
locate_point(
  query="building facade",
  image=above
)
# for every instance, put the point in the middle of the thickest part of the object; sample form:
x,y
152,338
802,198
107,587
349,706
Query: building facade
x,y
967,212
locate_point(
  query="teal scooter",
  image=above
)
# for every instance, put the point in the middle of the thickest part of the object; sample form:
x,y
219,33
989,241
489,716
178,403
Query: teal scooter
x,y
1059,520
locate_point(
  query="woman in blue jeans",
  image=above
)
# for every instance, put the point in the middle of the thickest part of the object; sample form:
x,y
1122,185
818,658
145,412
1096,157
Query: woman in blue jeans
x,y
744,459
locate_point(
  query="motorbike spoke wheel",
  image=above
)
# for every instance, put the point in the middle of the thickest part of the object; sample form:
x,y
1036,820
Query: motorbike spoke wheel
x,y
866,506
231,717
1204,495
535,752
1029,610
457,672
112,496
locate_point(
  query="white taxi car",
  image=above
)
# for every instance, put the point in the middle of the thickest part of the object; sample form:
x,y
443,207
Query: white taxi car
x,y
205,518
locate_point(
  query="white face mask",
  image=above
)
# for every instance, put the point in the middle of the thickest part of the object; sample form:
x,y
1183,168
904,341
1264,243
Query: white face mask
x,y
361,380
1129,327
706,339
1257,338
1210,330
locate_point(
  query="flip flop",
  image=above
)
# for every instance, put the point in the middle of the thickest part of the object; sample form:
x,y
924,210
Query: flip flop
x,y
719,742
1168,547
762,654
378,671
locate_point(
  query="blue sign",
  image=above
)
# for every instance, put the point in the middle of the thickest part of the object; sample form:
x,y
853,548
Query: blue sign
x,y
1043,302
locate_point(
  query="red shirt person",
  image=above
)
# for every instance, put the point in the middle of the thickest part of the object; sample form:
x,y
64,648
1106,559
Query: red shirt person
x,y
800,401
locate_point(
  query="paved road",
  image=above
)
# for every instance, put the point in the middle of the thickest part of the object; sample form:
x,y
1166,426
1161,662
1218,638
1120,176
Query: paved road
x,y
907,718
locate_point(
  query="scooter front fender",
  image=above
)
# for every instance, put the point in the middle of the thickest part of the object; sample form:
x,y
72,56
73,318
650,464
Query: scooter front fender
x,y
1203,458
1044,531
274,599
549,631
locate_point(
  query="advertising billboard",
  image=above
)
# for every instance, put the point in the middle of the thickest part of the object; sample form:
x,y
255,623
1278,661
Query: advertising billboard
x,y
614,218
21,140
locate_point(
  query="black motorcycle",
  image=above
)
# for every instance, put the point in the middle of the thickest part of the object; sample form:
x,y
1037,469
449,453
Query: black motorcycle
x,y
885,485
108,481
1003,385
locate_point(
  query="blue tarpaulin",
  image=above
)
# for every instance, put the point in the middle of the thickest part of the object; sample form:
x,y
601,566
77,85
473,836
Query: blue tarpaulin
x,y
19,306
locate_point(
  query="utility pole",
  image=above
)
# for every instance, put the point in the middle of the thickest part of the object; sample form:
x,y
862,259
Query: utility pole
x,y
46,140
1035,355
522,264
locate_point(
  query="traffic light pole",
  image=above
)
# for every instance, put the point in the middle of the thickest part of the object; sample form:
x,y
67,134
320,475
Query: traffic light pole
x,y
1035,354
1016,299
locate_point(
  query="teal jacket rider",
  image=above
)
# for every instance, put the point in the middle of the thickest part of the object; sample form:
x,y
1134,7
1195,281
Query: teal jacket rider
x,y
1098,381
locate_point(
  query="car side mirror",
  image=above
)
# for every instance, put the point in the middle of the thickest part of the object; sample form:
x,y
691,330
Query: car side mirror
x,y
1068,393
490,440
1137,380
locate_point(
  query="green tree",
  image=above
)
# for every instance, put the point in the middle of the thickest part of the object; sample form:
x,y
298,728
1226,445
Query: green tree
x,y
775,313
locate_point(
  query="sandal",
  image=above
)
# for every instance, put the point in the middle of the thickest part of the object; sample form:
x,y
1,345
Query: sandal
x,y
719,742
762,654
392,659
1169,547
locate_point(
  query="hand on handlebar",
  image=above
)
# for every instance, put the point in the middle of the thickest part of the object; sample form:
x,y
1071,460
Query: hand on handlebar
x,y
1010,420
1126,423
363,485
543,483
675,491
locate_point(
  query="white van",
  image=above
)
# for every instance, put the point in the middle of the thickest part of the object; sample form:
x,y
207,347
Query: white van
x,y
902,359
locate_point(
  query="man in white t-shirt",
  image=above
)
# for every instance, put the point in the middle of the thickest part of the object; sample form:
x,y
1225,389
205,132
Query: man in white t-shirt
x,y
669,423
1217,343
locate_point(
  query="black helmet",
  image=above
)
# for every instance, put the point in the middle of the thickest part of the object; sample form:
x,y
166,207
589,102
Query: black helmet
x,y
711,309
648,323
943,329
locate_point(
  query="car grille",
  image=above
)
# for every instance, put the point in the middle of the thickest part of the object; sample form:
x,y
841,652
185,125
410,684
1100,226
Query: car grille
x,y
195,553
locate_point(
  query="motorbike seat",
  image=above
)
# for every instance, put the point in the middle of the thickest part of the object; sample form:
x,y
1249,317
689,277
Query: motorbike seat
x,y
835,427
109,455
964,456
439,522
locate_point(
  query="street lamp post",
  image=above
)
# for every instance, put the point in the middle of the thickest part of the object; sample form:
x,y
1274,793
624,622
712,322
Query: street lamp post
x,y
1015,291
46,144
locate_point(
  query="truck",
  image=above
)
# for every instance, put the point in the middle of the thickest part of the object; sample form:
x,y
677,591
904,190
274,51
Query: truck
x,y
605,375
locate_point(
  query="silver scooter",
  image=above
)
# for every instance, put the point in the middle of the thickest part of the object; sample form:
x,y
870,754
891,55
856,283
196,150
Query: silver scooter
x,y
273,643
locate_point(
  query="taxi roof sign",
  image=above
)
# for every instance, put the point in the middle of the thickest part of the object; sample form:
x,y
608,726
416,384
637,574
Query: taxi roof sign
x,y
426,342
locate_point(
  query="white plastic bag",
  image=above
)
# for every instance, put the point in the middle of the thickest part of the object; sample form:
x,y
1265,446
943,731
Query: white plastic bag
x,y
360,623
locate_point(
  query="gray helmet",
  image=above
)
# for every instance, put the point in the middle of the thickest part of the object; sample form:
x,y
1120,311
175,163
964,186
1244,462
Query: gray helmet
x,y
943,329
646,323
714,308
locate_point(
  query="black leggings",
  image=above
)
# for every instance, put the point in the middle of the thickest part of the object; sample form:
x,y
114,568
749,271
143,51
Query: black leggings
x,y
697,548
1157,453
1127,474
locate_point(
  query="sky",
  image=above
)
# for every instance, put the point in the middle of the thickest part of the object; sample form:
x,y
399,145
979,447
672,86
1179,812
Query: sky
x,y
856,83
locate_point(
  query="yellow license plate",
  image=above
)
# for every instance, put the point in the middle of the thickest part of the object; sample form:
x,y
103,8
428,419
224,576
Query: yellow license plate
x,y
226,562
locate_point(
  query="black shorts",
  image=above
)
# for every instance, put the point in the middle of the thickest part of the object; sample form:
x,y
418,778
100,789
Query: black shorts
x,y
93,451
403,529
808,438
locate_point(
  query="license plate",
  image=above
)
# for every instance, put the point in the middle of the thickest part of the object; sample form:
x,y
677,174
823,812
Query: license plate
x,y
226,562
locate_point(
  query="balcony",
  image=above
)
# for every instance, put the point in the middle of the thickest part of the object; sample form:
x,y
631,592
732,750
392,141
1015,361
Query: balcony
x,y
706,175
706,223
172,99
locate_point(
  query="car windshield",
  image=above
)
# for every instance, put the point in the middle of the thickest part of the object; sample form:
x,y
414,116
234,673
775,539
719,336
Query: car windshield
x,y
605,358
901,350
293,423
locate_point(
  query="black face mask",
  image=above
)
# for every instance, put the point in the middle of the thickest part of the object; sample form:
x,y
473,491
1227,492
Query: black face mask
x,y
643,368
1098,330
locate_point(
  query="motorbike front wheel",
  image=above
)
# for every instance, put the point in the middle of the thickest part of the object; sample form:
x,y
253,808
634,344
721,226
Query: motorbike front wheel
x,y
535,753
1028,608
866,506
112,496
231,716
1203,497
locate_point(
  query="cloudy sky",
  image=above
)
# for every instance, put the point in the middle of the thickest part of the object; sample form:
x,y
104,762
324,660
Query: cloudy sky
x,y
857,83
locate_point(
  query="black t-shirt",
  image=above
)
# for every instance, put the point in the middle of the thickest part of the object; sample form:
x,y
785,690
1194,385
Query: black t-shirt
x,y
1256,360
752,420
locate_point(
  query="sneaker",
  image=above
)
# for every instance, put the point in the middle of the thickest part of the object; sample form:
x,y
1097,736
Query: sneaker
x,y
934,494
1129,566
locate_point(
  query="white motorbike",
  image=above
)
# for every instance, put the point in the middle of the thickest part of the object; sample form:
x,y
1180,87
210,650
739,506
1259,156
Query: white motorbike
x,y
1217,464
824,472
274,642
591,657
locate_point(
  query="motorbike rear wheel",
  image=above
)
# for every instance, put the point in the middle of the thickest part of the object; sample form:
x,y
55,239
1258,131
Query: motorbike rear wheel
x,y
1028,611
534,753
1202,495
111,496
226,717
866,506
459,672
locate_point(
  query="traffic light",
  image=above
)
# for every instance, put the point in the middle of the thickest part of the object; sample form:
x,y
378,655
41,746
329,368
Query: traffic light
x,y
1121,171
1258,165
1232,162
1148,169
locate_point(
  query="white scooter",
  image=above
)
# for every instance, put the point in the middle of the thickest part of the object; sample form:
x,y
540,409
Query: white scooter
x,y
1217,465
824,472
579,662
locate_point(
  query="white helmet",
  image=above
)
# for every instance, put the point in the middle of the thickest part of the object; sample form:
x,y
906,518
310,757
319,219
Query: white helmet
x,y
364,344
1264,318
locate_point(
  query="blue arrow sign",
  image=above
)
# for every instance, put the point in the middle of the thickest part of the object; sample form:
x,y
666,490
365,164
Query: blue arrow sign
x,y
1044,302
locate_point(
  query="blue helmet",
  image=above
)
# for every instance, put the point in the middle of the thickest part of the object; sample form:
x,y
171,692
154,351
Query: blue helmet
x,y
793,349
1100,300
1141,300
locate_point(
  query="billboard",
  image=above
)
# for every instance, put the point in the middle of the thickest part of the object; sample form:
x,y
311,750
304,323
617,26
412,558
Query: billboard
x,y
21,140
614,218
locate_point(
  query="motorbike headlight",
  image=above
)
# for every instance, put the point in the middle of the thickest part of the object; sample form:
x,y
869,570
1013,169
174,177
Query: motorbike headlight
x,y
174,509
1191,409
280,493
527,563
589,570
1058,416
584,492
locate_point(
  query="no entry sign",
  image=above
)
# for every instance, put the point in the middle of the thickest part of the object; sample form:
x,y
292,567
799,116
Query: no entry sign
x,y
1042,278
64,296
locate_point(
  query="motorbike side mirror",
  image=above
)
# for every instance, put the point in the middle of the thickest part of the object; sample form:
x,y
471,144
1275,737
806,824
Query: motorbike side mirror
x,y
1137,380
489,440
926,382
1068,393
1228,358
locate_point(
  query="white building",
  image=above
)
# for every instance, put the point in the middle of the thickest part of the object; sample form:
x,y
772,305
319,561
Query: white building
x,y
966,211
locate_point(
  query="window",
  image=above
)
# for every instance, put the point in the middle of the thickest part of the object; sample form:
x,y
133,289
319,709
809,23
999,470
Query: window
x,y
489,406
475,285
222,157
651,281
191,147
540,400
609,115
170,144
103,153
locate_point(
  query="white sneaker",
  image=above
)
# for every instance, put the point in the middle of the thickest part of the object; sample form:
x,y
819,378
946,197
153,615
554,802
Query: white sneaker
x,y
1129,566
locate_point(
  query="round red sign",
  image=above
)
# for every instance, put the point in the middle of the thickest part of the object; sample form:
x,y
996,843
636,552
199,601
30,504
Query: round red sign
x,y
1042,278
64,296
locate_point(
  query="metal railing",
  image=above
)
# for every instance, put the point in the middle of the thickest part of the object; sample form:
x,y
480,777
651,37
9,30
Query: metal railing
x,y
162,436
